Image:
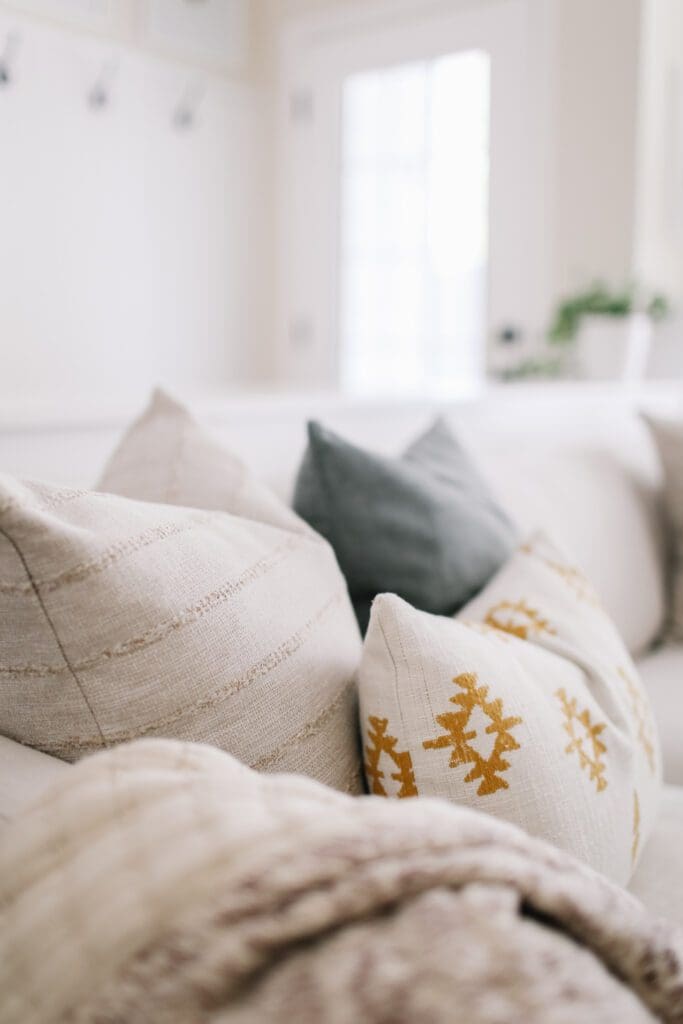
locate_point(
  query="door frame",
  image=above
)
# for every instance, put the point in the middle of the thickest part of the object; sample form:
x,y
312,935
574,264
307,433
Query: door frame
x,y
315,56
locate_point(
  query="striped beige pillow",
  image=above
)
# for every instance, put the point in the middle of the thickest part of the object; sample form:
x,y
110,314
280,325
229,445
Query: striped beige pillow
x,y
121,619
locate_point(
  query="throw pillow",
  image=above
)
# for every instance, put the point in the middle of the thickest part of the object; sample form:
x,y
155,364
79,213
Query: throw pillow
x,y
668,437
423,526
167,457
121,619
528,707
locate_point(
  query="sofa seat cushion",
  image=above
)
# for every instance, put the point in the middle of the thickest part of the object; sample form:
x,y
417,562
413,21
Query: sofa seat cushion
x,y
662,674
658,880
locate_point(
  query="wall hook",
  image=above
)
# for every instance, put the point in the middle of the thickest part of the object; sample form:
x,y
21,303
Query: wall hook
x,y
99,94
185,112
8,56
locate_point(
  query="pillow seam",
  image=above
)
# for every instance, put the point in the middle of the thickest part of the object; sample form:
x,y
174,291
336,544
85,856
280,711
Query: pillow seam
x,y
53,629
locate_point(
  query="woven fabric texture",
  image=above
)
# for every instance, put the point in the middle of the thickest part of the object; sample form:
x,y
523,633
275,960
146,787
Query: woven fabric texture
x,y
121,619
163,882
167,457
528,707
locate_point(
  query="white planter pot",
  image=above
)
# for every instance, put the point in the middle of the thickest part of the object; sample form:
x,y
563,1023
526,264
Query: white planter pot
x,y
609,348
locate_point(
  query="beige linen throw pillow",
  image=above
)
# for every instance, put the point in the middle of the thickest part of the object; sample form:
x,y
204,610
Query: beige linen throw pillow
x,y
121,619
167,457
527,707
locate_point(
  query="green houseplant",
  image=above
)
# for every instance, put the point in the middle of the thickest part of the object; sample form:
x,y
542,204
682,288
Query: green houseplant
x,y
607,332
599,300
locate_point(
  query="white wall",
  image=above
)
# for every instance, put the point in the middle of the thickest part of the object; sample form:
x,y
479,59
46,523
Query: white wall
x,y
132,254
659,197
586,63
129,251
595,140
658,242
317,57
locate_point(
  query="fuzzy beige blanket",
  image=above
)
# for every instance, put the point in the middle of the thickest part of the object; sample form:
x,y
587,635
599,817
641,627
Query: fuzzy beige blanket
x,y
164,883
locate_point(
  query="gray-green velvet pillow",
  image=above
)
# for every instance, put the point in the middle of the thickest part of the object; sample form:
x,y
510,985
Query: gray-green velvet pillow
x,y
424,526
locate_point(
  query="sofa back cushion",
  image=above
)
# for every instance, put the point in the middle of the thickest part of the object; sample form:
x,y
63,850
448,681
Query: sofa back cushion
x,y
576,462
596,508
581,465
121,619
545,450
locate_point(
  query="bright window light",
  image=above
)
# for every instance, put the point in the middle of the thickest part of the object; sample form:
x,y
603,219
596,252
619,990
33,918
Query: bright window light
x,y
414,225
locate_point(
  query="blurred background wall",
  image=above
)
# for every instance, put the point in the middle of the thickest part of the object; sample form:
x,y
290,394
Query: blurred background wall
x,y
187,230
129,243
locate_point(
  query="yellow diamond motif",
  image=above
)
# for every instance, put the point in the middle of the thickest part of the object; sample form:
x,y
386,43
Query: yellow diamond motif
x,y
381,743
457,735
584,737
517,618
578,582
573,577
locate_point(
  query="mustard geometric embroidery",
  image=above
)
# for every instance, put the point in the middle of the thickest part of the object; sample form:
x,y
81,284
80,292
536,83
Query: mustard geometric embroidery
x,y
584,734
518,618
641,716
380,744
454,724
636,827
486,629
572,576
575,579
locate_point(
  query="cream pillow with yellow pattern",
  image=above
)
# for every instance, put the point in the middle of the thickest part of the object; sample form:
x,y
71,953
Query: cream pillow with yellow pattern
x,y
527,706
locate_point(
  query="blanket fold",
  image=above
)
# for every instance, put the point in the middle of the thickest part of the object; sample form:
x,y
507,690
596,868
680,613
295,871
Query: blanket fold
x,y
164,882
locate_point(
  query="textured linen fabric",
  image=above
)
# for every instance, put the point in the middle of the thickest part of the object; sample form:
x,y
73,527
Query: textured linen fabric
x,y
166,457
423,526
121,619
529,707
164,882
668,435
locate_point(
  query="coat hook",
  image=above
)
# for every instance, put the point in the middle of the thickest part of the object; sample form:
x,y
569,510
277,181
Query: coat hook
x,y
7,57
185,112
99,94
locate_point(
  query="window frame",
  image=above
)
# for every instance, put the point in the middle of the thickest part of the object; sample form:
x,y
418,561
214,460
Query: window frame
x,y
316,55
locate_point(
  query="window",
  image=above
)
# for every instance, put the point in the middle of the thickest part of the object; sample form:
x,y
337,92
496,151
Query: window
x,y
414,225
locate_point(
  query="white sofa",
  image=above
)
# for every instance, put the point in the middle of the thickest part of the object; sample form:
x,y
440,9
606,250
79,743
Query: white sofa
x,y
576,460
